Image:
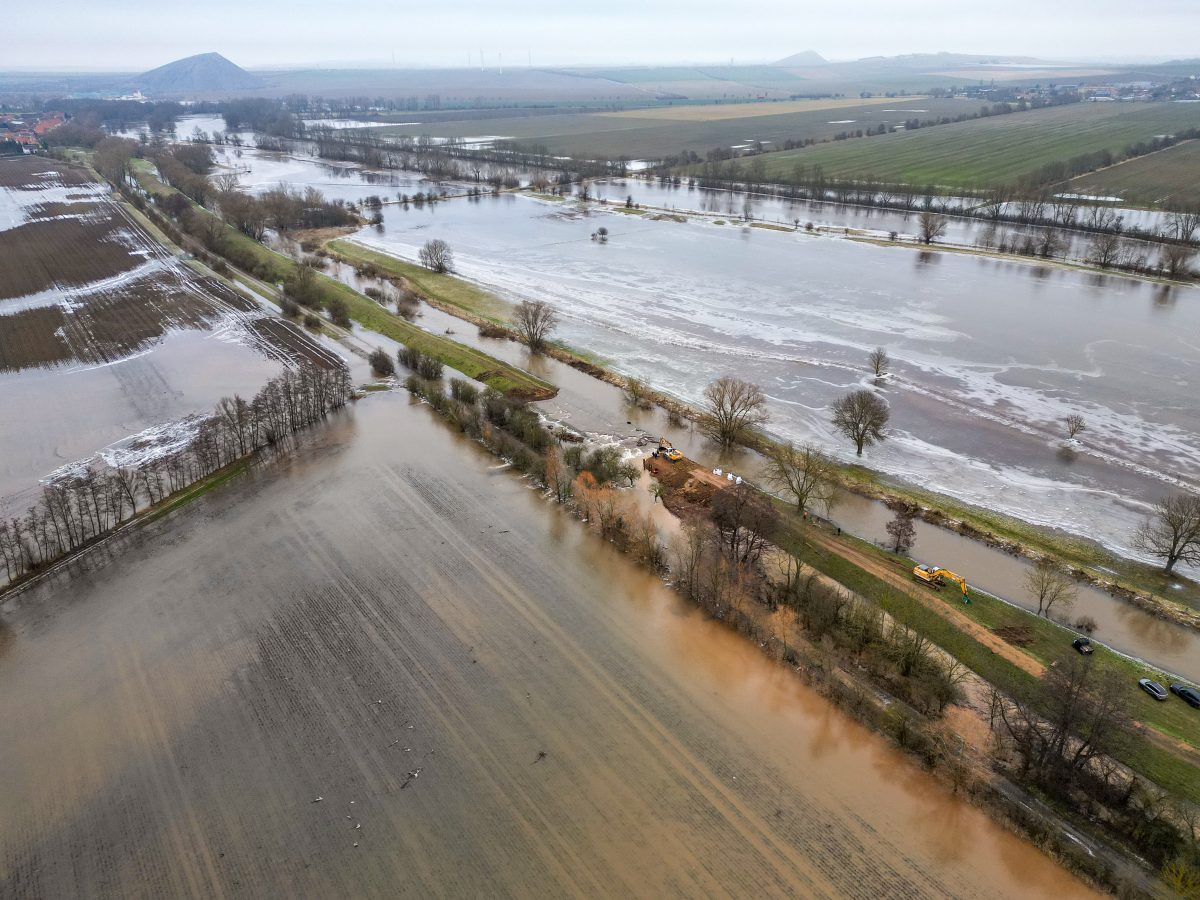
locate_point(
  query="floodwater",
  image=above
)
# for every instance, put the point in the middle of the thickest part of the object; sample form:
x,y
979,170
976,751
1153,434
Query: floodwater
x,y
599,411
132,348
989,356
386,666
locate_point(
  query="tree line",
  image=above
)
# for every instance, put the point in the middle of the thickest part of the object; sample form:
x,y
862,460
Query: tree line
x,y
83,507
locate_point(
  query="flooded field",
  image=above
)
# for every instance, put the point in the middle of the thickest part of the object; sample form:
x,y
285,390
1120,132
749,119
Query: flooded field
x,y
386,666
989,356
106,340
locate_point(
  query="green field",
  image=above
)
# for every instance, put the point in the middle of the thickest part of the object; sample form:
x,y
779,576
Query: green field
x,y
642,134
989,151
1169,176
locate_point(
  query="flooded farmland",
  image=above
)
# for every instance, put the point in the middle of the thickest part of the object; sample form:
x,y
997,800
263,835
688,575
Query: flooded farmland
x,y
989,356
107,341
385,665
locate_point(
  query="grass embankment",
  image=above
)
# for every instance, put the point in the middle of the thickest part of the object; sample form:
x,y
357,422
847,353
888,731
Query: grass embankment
x,y
275,267
1047,641
1092,561
446,289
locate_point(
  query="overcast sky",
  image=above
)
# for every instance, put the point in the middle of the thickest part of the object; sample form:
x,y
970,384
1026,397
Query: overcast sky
x,y
132,35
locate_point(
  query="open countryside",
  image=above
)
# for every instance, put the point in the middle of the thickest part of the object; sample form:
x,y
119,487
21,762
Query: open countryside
x,y
546,480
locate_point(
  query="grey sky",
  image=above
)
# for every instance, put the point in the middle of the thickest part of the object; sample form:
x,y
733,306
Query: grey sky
x,y
131,35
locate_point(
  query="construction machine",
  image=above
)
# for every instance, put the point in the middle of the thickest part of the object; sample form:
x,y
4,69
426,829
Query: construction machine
x,y
936,577
666,451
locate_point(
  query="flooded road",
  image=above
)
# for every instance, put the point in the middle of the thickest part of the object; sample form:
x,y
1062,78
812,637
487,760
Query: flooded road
x,y
989,356
388,622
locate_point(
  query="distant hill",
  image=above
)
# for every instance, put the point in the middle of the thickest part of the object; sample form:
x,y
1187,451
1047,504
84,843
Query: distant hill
x,y
806,58
204,73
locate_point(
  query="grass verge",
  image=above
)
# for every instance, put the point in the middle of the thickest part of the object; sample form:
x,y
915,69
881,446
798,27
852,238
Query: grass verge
x,y
1172,771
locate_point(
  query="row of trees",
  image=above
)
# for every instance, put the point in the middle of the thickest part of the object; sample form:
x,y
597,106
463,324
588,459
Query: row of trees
x,y
78,509
280,208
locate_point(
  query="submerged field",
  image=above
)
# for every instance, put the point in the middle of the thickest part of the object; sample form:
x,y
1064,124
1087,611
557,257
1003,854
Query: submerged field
x,y
106,339
440,684
993,150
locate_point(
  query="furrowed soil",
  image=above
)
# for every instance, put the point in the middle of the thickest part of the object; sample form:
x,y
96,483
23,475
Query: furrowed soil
x,y
386,666
105,336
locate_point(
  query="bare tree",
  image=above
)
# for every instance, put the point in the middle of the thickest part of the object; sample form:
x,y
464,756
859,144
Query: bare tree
x,y
1075,424
804,472
1049,585
1177,260
932,225
1104,249
1173,534
862,417
437,256
1076,715
1182,224
535,320
879,361
733,409
746,519
901,528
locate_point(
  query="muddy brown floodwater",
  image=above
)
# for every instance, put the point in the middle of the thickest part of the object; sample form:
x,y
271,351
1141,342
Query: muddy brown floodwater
x,y
386,666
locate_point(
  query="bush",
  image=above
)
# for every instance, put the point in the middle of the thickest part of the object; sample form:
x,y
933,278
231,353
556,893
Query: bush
x,y
488,330
426,366
313,321
381,363
463,391
339,312
429,368
289,307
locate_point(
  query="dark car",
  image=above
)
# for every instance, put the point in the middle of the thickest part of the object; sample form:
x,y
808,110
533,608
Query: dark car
x,y
1153,688
1187,694
1083,645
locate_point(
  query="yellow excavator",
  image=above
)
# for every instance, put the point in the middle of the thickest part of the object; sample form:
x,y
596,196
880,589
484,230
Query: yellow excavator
x,y
937,577
666,451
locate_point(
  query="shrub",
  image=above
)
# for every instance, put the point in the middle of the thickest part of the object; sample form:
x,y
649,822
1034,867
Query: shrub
x,y
339,312
429,368
381,363
490,330
426,366
289,307
313,321
463,391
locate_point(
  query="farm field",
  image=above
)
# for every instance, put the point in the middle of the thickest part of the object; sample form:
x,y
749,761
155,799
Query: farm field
x,y
1169,176
641,134
990,151
107,341
440,684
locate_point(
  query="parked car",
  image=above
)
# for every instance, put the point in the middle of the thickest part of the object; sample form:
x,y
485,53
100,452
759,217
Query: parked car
x,y
1187,694
1083,645
1153,688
